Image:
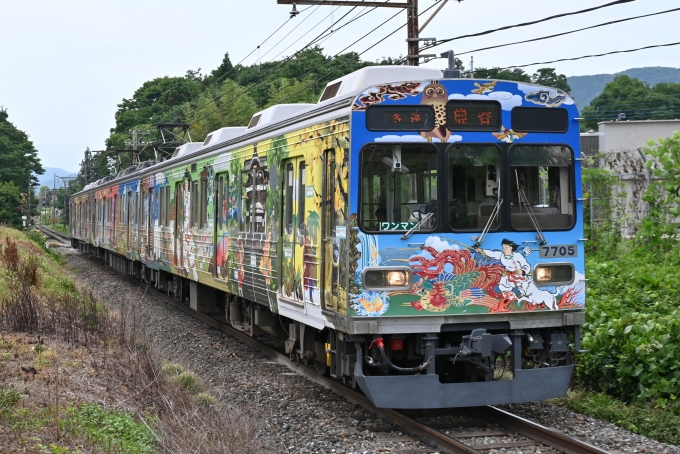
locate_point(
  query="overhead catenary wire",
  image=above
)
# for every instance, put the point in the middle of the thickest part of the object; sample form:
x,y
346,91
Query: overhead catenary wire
x,y
524,24
233,68
345,63
275,69
593,55
308,72
569,32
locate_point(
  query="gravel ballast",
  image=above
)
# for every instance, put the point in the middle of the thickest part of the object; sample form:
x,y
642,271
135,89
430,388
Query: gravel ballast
x,y
298,415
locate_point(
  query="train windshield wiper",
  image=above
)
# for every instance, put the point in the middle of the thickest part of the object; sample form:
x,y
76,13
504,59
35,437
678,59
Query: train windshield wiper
x,y
417,226
523,200
494,215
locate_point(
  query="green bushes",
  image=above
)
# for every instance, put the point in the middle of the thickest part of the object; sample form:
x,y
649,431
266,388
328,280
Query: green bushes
x,y
632,329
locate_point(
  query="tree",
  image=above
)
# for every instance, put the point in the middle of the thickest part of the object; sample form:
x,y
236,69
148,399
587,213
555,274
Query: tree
x,y
10,204
630,99
549,78
19,161
516,74
232,105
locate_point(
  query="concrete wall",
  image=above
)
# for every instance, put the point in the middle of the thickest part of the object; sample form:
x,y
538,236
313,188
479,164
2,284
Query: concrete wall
x,y
618,143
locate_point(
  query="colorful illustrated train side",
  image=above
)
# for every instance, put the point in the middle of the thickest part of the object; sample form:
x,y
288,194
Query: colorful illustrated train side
x,y
419,237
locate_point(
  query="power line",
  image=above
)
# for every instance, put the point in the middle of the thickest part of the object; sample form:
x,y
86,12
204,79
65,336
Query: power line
x,y
282,63
524,24
342,65
592,56
307,73
569,32
223,76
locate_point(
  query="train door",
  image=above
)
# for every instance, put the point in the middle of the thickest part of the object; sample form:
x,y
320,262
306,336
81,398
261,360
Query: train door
x,y
129,214
149,222
179,224
221,198
294,235
330,245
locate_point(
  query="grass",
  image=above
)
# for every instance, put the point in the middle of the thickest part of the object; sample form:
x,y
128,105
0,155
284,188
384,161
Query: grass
x,y
644,419
58,339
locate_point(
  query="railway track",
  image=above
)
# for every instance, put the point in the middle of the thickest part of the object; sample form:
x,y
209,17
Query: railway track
x,y
447,430
52,234
450,437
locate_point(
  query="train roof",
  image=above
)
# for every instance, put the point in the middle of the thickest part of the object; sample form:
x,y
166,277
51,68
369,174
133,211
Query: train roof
x,y
375,75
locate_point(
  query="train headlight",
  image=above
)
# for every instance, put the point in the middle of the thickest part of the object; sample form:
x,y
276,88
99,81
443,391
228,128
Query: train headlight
x,y
383,278
554,273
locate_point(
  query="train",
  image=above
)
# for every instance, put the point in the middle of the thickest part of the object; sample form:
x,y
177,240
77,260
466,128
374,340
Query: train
x,y
417,236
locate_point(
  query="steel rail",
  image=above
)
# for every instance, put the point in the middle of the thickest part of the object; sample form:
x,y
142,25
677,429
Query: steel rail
x,y
51,233
530,429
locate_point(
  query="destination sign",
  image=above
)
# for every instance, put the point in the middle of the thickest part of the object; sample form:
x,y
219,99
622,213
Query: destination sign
x,y
470,115
400,118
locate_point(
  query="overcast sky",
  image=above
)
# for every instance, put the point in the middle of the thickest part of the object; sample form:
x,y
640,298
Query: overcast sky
x,y
66,65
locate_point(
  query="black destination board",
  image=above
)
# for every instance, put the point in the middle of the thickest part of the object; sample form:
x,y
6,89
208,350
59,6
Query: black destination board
x,y
471,115
400,118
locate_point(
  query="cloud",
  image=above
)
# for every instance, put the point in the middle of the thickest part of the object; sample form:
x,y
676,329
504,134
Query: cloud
x,y
507,99
526,89
414,138
439,245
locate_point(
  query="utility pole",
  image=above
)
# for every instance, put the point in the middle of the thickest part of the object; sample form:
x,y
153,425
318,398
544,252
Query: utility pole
x,y
413,39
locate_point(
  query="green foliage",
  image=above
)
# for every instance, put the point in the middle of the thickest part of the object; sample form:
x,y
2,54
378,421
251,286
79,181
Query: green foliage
x,y
549,78
10,204
205,400
642,419
172,369
662,224
636,99
109,429
190,382
542,76
8,397
18,157
632,326
605,194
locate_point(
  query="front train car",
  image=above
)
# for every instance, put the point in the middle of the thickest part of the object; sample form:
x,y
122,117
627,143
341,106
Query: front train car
x,y
466,262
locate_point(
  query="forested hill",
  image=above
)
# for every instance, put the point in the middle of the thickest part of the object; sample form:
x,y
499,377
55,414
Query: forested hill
x,y
585,88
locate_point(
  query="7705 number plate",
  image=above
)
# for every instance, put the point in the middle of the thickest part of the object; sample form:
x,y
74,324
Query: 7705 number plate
x,y
558,250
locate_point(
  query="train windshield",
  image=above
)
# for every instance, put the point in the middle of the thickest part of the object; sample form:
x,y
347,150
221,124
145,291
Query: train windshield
x,y
398,187
473,186
540,182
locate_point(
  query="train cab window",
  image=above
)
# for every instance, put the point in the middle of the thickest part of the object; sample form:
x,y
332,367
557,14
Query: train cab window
x,y
473,186
398,187
541,187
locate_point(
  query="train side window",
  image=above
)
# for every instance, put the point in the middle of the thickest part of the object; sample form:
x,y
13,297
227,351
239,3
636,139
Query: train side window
x,y
245,192
203,205
219,200
166,219
302,195
288,207
194,204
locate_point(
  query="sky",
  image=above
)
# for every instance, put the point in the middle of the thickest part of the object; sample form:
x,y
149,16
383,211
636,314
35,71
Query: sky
x,y
66,65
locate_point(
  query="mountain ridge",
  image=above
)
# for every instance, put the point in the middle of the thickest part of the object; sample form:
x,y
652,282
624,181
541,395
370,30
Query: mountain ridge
x,y
585,88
